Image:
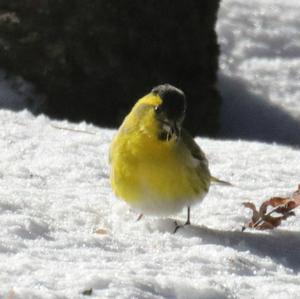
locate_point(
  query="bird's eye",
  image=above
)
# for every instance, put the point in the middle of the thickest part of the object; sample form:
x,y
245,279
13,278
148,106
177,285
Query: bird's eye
x,y
157,109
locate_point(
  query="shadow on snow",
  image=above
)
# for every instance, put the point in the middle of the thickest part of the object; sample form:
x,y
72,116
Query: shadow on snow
x,y
245,115
281,245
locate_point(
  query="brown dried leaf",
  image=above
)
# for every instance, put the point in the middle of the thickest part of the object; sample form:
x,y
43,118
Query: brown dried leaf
x,y
264,225
271,222
263,220
273,202
101,231
296,197
255,215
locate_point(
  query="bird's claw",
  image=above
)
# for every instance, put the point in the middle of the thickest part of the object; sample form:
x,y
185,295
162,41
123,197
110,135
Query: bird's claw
x,y
177,226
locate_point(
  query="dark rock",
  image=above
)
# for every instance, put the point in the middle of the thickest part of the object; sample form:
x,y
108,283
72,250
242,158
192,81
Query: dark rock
x,y
94,58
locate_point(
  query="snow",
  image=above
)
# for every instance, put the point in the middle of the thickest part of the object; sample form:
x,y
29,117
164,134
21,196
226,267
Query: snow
x,y
55,193
259,74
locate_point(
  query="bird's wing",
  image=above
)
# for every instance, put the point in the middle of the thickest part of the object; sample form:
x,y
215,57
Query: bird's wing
x,y
193,147
198,154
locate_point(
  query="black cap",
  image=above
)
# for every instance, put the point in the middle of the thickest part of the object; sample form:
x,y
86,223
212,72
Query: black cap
x,y
173,100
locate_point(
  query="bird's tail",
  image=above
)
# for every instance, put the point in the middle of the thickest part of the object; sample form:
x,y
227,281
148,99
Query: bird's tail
x,y
218,181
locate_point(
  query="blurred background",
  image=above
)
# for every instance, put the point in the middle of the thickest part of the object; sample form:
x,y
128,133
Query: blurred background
x,y
238,62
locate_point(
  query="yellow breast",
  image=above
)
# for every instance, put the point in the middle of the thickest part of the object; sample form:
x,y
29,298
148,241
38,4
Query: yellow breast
x,y
148,173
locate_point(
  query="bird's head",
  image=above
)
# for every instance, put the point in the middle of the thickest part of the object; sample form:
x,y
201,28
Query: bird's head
x,y
160,113
170,111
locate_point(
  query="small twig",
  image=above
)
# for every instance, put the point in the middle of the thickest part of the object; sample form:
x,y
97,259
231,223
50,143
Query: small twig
x,y
73,130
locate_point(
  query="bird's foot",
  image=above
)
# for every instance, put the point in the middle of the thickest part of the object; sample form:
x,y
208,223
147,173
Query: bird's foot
x,y
177,226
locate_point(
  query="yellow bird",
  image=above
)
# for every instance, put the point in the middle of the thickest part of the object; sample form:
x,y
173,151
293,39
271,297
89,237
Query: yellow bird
x,y
156,166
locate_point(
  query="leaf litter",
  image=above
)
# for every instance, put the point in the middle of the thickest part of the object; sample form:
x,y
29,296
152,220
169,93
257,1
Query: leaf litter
x,y
261,219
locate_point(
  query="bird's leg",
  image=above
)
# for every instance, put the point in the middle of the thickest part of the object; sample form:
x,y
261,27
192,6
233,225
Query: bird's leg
x,y
140,217
188,220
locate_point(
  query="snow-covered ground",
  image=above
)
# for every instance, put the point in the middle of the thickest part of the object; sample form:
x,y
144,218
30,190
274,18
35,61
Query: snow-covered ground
x,y
55,192
259,74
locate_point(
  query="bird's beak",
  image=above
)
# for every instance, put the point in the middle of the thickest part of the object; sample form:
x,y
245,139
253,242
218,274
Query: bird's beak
x,y
176,129
172,128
